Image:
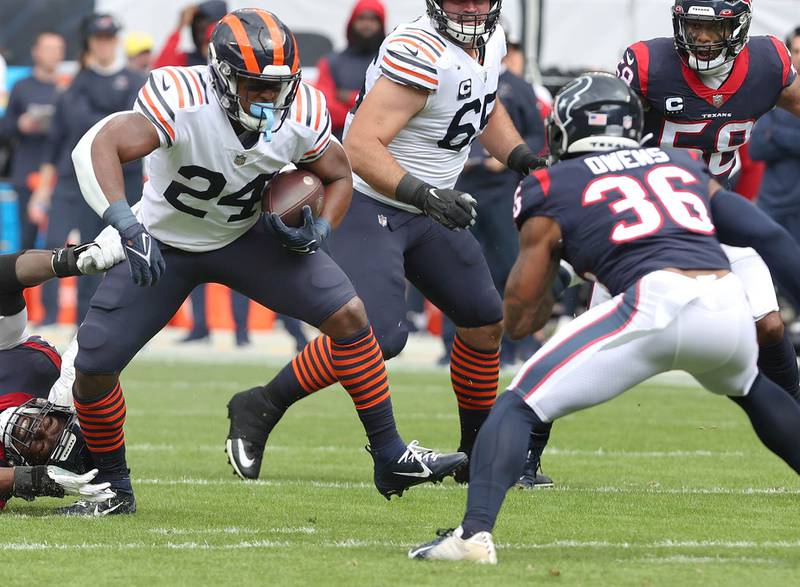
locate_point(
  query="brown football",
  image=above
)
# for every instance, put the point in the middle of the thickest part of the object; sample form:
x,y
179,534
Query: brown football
x,y
289,191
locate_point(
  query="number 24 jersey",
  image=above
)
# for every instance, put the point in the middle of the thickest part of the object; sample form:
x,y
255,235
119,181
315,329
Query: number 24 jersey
x,y
626,213
204,188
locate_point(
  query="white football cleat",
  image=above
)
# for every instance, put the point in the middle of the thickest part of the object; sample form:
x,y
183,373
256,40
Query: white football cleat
x,y
449,546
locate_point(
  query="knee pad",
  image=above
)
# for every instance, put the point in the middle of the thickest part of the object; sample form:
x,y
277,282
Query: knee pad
x,y
11,298
393,342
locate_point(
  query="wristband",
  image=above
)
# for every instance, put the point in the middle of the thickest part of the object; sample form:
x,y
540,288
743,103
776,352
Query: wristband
x,y
64,262
323,228
411,190
32,482
120,216
519,159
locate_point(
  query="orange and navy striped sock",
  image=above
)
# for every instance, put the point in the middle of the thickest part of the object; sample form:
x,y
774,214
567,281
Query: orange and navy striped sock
x,y
102,422
313,367
357,362
474,374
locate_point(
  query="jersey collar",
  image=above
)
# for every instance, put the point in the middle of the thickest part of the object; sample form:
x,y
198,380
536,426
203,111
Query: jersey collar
x,y
718,97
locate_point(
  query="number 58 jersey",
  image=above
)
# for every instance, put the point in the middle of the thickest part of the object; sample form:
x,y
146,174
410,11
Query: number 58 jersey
x,y
434,144
626,213
204,188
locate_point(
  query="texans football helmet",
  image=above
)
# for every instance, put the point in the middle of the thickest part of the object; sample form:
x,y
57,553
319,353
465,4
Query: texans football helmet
x,y
467,30
18,431
594,112
251,48
729,19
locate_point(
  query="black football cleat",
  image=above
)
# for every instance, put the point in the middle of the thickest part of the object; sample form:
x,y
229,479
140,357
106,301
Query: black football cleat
x,y
250,418
532,476
122,503
461,475
415,466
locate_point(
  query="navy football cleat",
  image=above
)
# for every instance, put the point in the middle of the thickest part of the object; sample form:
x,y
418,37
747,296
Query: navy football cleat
x,y
122,503
532,476
248,432
415,466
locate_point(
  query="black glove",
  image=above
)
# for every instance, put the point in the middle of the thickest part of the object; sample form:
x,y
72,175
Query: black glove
x,y
65,260
523,160
450,208
32,482
304,240
144,257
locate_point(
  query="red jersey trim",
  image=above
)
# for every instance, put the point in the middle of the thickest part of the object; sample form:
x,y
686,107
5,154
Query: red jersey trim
x,y
543,177
642,53
51,353
785,62
13,400
741,66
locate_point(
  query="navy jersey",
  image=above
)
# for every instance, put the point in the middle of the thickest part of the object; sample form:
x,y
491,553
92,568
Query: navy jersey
x,y
626,213
683,112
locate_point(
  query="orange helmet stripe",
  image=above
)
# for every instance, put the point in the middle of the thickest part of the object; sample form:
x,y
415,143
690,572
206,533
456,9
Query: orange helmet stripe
x,y
275,35
296,62
243,41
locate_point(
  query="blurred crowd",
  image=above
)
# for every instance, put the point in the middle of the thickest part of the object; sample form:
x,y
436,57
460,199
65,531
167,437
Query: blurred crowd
x,y
47,112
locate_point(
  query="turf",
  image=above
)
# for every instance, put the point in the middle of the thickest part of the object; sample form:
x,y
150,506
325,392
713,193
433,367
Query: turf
x,y
664,486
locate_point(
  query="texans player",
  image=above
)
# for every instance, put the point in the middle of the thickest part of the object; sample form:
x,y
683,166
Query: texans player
x,y
42,452
214,136
429,93
703,89
639,221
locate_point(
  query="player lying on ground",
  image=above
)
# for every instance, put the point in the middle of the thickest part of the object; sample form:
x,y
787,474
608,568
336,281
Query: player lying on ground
x,y
646,233
429,93
214,136
703,89
42,451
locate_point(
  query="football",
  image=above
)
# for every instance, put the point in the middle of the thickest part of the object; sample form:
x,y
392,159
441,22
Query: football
x,y
289,191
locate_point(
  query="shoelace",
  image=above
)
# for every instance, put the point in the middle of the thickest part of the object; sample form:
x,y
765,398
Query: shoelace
x,y
415,452
445,532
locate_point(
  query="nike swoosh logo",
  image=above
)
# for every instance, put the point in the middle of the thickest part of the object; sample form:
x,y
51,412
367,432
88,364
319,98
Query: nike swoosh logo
x,y
165,85
247,462
414,52
97,511
426,472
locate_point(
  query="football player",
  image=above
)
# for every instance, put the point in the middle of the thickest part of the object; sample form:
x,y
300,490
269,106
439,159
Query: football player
x,y
637,220
703,90
214,136
431,91
42,452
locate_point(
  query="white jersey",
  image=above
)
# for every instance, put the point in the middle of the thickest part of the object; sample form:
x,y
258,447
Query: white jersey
x,y
434,145
204,188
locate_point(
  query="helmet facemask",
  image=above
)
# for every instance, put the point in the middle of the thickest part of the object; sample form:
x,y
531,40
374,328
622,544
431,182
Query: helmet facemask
x,y
470,31
19,428
732,32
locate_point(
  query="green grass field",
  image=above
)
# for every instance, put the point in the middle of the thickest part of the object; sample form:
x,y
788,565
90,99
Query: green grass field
x,y
664,486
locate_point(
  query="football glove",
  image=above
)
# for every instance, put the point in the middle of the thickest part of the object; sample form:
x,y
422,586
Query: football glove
x,y
523,160
304,240
50,481
450,208
65,261
144,257
106,253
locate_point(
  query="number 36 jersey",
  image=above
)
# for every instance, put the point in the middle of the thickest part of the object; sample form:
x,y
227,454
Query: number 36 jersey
x,y
204,188
626,213
683,112
434,144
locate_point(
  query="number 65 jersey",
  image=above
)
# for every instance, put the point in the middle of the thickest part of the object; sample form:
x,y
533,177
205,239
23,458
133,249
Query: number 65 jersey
x,y
682,112
626,213
204,188
434,144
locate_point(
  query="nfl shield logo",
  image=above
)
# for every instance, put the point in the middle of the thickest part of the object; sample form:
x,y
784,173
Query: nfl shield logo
x,y
717,99
239,159
382,220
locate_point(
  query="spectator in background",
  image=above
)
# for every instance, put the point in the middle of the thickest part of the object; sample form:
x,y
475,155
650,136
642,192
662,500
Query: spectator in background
x,y
27,122
776,141
198,20
341,74
139,51
103,86
494,185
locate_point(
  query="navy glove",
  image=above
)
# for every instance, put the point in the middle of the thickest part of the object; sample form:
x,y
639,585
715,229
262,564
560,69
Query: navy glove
x,y
144,257
450,208
523,160
304,240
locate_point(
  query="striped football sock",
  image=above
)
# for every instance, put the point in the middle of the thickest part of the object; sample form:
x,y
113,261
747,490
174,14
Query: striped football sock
x,y
474,374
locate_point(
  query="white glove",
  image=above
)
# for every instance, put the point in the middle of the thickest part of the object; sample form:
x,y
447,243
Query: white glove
x,y
79,485
102,257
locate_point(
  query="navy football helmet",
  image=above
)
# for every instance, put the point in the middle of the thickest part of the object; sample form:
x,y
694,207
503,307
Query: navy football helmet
x,y
19,427
253,47
594,112
730,19
470,31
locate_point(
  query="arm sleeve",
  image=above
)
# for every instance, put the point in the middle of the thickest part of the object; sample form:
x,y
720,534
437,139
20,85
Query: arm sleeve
x,y
325,83
170,54
410,58
741,224
61,392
